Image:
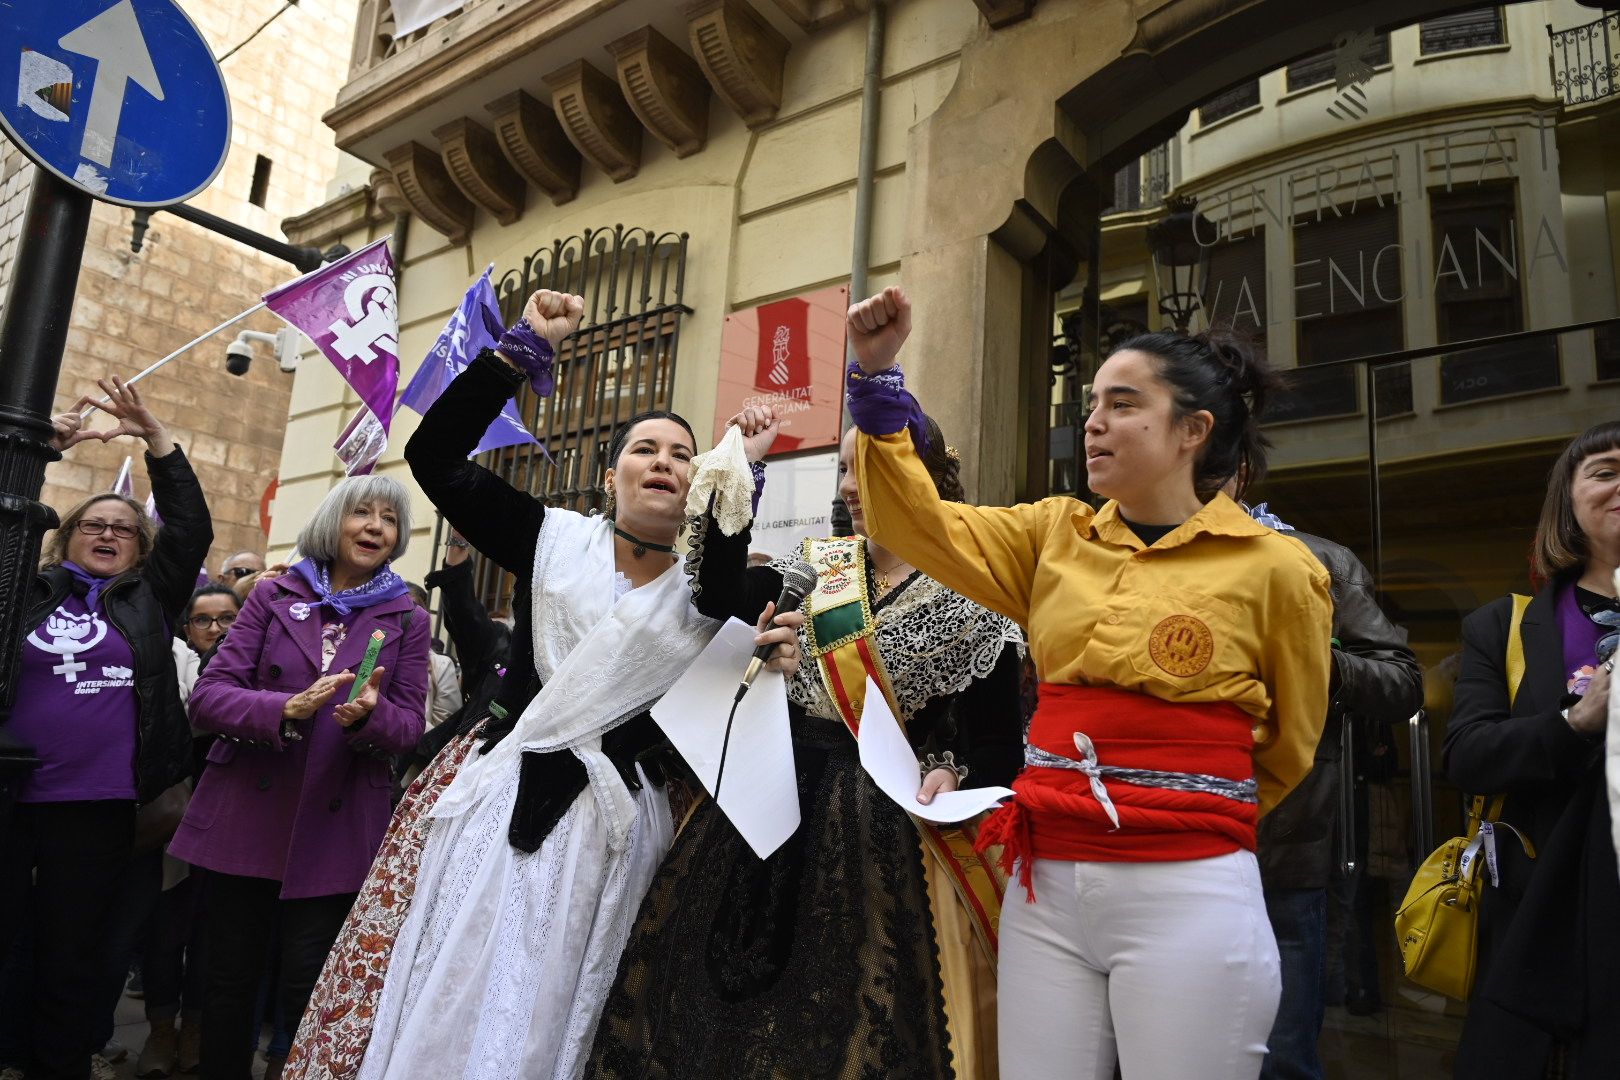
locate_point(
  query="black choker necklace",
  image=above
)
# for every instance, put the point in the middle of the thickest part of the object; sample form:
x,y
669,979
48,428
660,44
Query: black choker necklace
x,y
642,546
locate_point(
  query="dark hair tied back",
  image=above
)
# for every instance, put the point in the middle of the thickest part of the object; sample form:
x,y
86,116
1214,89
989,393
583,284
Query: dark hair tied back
x,y
943,464
1220,372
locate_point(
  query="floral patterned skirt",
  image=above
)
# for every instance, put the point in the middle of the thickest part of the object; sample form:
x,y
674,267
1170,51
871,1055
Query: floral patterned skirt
x,y
336,1027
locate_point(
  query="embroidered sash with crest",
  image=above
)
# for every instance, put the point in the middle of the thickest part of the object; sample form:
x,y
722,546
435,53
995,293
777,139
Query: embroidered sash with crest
x,y
840,628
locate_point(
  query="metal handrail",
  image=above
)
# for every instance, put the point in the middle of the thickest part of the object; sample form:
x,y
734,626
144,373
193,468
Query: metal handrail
x,y
1582,60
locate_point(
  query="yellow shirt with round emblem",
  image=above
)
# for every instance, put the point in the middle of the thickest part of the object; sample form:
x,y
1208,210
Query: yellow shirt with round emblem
x,y
1222,609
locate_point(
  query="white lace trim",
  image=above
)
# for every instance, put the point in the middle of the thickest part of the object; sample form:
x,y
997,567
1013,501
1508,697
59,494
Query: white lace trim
x,y
933,642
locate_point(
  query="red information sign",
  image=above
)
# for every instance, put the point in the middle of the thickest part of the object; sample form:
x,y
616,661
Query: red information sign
x,y
790,354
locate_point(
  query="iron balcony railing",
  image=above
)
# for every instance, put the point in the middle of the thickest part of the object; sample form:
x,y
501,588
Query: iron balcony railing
x,y
1583,60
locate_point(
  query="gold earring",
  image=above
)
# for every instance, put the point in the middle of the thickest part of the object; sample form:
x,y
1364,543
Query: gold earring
x,y
609,504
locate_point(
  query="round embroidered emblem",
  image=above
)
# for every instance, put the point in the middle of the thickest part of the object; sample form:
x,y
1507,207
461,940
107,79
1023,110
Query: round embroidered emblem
x,y
1181,645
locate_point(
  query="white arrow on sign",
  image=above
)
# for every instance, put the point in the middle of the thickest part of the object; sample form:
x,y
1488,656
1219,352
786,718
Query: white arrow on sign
x,y
113,39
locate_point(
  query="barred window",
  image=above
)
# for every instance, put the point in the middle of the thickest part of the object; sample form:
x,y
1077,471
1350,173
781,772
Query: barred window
x,y
1463,30
1228,102
620,362
1321,67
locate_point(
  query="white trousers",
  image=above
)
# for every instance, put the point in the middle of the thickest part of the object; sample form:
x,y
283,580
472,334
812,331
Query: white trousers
x,y
1170,966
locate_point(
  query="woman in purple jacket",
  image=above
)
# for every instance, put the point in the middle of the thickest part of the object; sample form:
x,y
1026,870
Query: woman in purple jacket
x,y
295,799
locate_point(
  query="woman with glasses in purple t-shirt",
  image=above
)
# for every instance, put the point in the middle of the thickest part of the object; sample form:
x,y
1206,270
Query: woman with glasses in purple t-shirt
x,y
99,706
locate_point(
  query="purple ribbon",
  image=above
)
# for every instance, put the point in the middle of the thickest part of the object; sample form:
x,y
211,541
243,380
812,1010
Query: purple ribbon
x,y
881,405
532,354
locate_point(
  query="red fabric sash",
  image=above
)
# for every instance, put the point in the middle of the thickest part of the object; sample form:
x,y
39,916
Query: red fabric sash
x,y
1056,816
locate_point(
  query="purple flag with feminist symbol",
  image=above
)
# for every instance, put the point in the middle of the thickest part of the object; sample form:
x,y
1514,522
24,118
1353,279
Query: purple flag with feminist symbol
x,y
350,310
475,326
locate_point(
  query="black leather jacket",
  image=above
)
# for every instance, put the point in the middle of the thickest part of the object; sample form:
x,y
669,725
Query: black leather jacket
x,y
144,604
1376,678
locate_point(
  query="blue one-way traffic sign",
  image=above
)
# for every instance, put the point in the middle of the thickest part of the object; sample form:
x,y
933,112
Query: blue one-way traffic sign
x,y
121,98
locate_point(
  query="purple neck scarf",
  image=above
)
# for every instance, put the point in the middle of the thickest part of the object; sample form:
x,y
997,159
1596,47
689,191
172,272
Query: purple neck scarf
x,y
384,585
92,584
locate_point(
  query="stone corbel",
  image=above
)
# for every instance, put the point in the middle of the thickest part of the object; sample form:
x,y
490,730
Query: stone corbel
x,y
816,14
1005,12
425,185
665,87
741,54
387,202
476,166
596,119
536,145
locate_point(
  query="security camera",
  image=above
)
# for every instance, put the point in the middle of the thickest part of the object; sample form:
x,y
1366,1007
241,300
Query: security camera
x,y
238,357
239,353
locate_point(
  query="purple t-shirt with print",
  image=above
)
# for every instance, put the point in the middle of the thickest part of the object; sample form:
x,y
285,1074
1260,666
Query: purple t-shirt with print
x,y
77,707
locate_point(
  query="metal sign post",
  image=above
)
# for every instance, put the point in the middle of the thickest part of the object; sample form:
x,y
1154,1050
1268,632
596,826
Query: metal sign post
x,y
117,101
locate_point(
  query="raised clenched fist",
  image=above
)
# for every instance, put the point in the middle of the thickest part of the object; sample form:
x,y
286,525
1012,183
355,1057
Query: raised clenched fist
x,y
554,315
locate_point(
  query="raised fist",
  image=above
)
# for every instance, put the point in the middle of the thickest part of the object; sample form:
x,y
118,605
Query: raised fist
x,y
878,326
554,315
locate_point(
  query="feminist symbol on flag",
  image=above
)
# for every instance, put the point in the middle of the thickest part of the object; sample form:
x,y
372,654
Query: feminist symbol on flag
x,y
374,312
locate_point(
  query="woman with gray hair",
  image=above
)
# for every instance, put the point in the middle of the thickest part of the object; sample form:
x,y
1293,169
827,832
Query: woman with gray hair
x,y
320,682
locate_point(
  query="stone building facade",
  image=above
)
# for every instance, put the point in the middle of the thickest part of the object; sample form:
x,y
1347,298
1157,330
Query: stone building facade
x,y
1023,151
133,308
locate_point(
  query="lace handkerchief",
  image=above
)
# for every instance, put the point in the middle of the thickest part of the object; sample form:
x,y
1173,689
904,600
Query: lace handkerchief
x,y
723,473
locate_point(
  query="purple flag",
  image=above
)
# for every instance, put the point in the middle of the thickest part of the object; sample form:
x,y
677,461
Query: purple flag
x,y
475,326
361,443
350,310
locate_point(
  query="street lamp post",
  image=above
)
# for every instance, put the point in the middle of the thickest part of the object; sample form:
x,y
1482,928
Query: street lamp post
x,y
33,333
1181,258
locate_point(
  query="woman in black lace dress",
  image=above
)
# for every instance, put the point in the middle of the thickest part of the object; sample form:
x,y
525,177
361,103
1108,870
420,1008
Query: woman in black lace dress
x,y
863,947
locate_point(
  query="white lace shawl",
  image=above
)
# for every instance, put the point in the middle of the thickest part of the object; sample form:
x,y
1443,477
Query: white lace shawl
x,y
933,643
599,663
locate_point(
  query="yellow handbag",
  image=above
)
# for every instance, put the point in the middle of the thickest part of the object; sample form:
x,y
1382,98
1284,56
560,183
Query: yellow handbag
x,y
1437,923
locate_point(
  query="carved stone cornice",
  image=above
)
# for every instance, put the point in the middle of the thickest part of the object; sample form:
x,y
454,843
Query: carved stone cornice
x,y
1005,12
816,14
741,54
665,87
595,117
534,142
331,221
476,166
425,184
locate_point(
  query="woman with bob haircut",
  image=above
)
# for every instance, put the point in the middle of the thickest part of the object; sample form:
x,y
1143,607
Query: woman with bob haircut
x,y
1547,984
296,795
98,702
1184,652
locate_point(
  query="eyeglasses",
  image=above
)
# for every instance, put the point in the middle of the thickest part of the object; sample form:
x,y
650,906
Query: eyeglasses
x,y
204,622
91,527
240,572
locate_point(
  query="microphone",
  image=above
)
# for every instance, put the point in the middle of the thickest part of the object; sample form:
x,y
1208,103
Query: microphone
x,y
799,579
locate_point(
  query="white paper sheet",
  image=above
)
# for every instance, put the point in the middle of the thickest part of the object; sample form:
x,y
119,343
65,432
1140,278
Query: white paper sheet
x,y
758,792
892,764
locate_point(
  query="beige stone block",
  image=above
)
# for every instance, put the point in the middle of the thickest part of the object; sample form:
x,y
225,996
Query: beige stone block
x,y
207,448
432,286
316,386
794,159
800,246
307,447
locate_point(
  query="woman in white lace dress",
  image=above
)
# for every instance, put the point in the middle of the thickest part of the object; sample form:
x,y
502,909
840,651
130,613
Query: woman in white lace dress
x,y
864,946
487,936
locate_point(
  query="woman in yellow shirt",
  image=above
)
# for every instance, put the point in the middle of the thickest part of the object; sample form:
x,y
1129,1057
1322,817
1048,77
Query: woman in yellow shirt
x,y
1184,657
